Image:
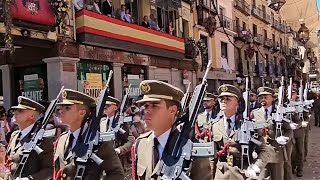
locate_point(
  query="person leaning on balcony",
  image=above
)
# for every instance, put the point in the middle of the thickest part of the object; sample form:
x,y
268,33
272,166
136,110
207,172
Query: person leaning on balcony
x,y
107,8
153,23
145,22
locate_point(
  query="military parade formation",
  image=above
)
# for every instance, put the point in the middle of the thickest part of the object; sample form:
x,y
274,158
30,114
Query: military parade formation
x,y
254,134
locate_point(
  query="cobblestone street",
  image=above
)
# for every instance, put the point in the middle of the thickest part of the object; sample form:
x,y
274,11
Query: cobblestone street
x,y
312,165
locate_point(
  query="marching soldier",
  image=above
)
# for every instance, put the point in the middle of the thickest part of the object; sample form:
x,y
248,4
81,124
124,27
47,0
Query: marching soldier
x,y
123,142
298,150
205,121
264,114
75,111
162,102
225,133
254,103
38,166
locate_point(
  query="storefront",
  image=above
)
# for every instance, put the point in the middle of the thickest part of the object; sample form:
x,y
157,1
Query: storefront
x,y
133,75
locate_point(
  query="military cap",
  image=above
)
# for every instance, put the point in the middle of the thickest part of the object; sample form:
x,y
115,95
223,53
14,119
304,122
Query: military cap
x,y
209,96
71,97
265,91
112,101
229,90
26,103
154,90
253,92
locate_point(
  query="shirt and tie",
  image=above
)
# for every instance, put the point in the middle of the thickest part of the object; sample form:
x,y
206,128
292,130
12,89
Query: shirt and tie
x,y
73,138
229,123
267,112
208,115
159,145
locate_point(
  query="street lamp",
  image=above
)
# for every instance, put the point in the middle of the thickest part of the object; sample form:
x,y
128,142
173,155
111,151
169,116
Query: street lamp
x,y
303,34
276,4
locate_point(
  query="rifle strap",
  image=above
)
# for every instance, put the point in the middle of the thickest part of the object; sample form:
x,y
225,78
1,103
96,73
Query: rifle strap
x,y
134,157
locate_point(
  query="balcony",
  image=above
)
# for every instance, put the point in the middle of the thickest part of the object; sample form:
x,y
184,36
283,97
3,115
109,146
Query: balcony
x,y
242,6
285,50
258,39
268,43
240,35
278,26
261,15
226,22
99,30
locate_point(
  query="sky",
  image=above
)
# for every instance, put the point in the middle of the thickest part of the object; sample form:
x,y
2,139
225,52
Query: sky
x,y
318,4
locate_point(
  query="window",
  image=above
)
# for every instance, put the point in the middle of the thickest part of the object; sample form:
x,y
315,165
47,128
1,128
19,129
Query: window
x,y
207,9
244,26
254,30
222,11
272,16
224,50
265,35
267,63
205,40
280,41
237,24
185,28
257,62
273,38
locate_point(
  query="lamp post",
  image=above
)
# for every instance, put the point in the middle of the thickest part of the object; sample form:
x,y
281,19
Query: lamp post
x,y
303,34
276,4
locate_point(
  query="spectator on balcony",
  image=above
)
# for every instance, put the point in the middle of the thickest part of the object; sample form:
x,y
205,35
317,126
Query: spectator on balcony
x,y
96,7
153,23
170,28
121,13
78,4
127,16
107,8
145,22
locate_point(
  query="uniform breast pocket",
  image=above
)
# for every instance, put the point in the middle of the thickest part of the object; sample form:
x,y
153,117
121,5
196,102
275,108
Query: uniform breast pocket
x,y
141,171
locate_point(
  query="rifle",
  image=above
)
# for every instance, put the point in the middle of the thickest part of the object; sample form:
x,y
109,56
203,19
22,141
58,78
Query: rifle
x,y
34,144
281,110
247,128
290,90
120,115
175,163
84,150
184,100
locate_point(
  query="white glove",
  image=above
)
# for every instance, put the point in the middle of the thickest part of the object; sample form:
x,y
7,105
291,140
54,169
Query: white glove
x,y
293,126
117,150
24,178
305,123
252,171
282,140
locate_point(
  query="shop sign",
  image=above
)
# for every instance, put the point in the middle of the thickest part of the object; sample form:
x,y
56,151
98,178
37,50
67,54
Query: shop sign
x,y
32,87
134,81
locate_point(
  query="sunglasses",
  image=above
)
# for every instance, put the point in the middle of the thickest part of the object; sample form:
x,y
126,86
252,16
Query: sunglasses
x,y
225,98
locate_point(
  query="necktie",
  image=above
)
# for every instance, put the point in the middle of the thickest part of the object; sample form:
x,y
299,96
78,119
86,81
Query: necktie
x,y
208,117
155,152
252,106
229,126
69,147
266,114
18,138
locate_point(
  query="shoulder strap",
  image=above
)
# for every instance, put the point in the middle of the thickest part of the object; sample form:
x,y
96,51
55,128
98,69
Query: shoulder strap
x,y
134,157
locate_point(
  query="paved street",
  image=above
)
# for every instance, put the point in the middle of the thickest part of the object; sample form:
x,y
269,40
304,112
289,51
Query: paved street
x,y
312,166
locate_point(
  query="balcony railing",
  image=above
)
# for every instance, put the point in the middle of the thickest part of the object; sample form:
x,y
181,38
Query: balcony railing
x,y
226,22
268,43
278,26
99,30
242,6
258,39
240,35
260,14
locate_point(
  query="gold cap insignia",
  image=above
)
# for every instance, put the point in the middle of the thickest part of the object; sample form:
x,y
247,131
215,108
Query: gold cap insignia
x,y
64,94
19,100
262,90
224,88
145,87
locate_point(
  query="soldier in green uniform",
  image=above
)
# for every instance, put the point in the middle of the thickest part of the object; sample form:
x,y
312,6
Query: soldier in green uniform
x,y
162,103
225,135
75,112
264,114
38,166
123,142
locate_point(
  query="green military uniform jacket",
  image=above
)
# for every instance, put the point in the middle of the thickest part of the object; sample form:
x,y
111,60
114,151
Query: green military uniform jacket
x,y
38,166
144,157
225,171
111,165
280,153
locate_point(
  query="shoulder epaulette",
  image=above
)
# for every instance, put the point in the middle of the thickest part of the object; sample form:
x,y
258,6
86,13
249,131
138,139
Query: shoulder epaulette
x,y
145,135
15,133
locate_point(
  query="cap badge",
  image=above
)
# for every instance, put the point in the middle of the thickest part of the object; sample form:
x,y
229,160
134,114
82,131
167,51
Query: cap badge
x,y
19,100
261,89
145,87
64,94
224,88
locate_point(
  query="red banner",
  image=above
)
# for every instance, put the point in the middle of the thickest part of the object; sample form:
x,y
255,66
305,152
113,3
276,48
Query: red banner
x,y
36,11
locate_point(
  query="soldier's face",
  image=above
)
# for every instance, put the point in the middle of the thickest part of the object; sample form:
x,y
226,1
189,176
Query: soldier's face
x,y
158,116
208,104
266,100
294,96
72,115
228,103
110,110
23,116
253,97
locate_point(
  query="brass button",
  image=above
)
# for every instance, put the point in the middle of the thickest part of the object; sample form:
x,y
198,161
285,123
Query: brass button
x,y
64,175
65,162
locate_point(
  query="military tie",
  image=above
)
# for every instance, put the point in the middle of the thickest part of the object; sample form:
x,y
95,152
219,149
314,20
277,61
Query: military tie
x,y
208,117
155,152
229,126
252,106
69,147
266,114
